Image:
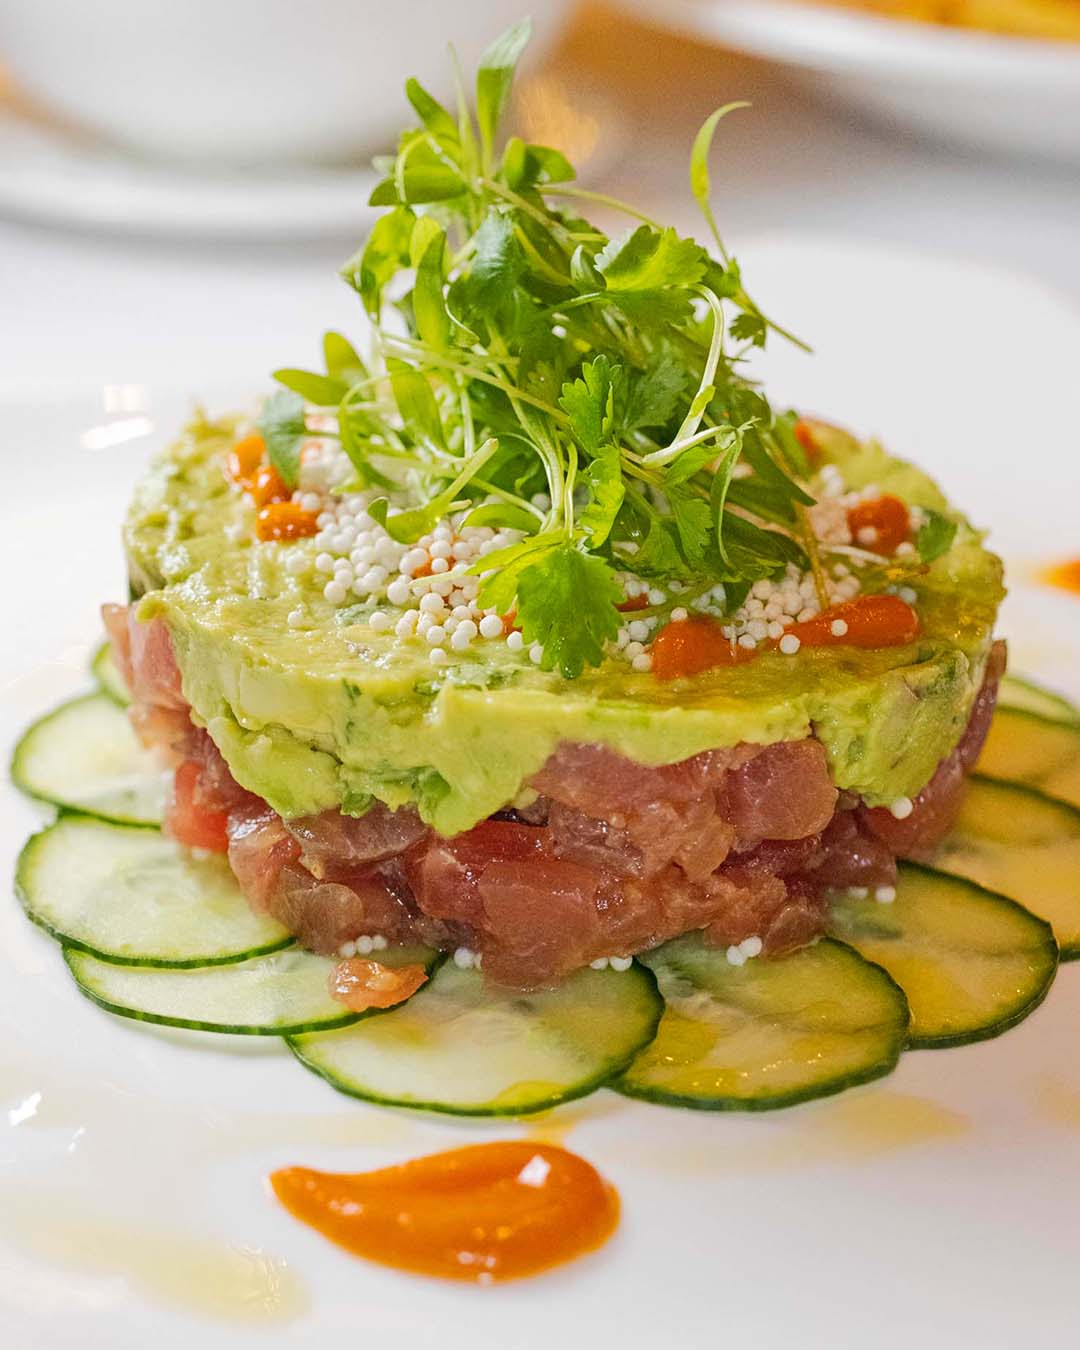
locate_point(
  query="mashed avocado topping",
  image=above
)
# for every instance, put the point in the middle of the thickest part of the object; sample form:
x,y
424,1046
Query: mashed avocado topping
x,y
335,714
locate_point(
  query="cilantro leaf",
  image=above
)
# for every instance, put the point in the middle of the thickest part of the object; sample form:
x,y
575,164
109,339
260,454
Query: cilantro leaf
x,y
282,426
607,489
650,260
935,536
527,165
589,402
502,569
566,602
653,396
693,521
497,265
658,555
749,327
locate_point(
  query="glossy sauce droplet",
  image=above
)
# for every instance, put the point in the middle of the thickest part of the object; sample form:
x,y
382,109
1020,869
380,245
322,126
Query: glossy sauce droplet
x,y
1064,575
484,1213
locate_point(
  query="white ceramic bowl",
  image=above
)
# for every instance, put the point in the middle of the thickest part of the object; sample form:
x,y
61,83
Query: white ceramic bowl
x,y
999,93
247,81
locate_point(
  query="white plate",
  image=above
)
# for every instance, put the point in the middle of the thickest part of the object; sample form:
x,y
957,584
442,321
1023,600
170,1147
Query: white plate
x,y
47,175
1000,93
941,1203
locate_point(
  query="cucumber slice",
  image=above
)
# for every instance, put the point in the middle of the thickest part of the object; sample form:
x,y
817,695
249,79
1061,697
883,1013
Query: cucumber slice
x,y
1017,691
767,1034
85,757
110,681
1024,845
1023,747
971,963
463,1048
130,895
278,995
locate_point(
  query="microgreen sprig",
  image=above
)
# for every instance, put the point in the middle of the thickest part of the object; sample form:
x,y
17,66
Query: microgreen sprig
x,y
520,356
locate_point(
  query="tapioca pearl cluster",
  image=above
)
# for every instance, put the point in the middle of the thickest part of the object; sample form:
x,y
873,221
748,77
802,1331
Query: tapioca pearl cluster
x,y
746,950
773,606
324,466
422,590
364,945
636,634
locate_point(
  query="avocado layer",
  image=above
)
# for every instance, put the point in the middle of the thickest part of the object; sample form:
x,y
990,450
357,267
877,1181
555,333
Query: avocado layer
x,y
333,714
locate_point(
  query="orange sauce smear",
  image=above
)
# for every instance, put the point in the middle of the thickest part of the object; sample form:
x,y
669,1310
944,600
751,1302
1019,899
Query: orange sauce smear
x,y
481,1214
1064,575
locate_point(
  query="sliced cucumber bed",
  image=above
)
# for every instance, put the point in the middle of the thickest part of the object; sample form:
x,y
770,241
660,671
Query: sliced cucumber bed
x,y
1024,845
1025,695
769,1033
1023,747
130,895
277,995
971,963
462,1047
110,681
85,757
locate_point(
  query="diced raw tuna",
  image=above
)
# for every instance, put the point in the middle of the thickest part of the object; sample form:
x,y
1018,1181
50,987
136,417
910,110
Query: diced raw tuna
x,y
611,858
187,820
334,840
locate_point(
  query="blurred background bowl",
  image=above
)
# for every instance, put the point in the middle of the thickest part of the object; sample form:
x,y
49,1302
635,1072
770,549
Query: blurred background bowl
x,y
248,82
1001,93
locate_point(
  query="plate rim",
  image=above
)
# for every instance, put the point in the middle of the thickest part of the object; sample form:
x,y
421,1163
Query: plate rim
x,y
830,39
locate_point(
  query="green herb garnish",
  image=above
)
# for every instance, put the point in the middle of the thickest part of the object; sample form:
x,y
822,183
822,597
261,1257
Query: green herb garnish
x,y
585,390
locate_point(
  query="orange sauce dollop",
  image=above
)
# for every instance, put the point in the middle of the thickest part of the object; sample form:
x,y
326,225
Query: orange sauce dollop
x,y
690,646
869,621
886,521
480,1214
1066,575
687,647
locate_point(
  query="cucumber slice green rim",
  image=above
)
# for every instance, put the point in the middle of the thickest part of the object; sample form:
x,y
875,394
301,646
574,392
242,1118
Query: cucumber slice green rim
x,y
133,897
971,963
461,1047
85,757
108,677
1022,844
283,994
768,1034
1025,695
1024,747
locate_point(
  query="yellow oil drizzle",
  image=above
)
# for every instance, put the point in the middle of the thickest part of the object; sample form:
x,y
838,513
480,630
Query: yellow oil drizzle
x,y
212,1278
555,1126
863,1126
152,1240
1058,1101
855,1128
